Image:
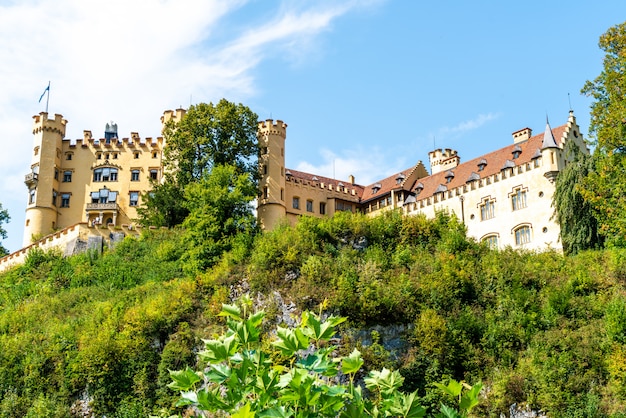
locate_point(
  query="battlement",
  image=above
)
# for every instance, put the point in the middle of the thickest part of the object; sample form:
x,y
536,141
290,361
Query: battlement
x,y
135,140
176,116
443,159
42,123
268,127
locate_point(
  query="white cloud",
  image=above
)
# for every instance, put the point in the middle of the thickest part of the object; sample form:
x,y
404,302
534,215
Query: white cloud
x,y
129,61
468,125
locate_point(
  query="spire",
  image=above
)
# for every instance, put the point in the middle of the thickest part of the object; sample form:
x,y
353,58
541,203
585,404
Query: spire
x,y
548,138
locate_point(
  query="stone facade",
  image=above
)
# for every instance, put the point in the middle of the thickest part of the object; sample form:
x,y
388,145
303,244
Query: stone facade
x,y
503,197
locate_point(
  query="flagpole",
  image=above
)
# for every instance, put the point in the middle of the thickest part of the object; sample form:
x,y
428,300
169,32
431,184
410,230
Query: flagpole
x,y
48,97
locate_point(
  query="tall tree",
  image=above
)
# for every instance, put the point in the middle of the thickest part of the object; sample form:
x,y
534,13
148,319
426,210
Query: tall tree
x,y
605,188
4,218
207,136
219,209
575,215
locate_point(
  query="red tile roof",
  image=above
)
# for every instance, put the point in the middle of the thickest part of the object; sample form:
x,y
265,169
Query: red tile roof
x,y
495,161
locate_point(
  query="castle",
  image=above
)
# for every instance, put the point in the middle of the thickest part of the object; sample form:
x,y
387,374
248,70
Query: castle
x,y
503,197
89,180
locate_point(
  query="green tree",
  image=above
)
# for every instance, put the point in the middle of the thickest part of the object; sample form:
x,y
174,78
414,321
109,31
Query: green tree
x,y
219,208
206,137
4,218
575,215
605,188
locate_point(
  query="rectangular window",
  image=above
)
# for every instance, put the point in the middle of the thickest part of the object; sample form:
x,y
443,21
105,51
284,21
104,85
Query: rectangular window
x,y
322,208
68,156
31,196
67,177
265,192
296,203
154,174
54,198
134,175
134,198
65,200
309,206
487,210
518,199
56,173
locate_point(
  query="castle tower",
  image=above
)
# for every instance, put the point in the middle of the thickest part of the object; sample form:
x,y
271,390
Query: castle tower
x,y
442,160
43,179
271,207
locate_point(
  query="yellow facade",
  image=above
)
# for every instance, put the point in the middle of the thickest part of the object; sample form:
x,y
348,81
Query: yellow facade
x,y
97,181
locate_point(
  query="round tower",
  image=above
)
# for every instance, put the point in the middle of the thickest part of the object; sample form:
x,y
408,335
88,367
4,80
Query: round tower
x,y
43,179
271,207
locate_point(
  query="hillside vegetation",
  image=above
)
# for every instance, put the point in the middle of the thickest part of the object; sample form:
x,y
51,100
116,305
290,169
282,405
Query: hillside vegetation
x,y
101,332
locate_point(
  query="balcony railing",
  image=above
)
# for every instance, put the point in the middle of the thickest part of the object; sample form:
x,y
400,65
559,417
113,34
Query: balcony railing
x,y
30,179
101,206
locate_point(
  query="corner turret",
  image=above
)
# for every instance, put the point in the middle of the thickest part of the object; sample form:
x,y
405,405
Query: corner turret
x,y
43,179
271,205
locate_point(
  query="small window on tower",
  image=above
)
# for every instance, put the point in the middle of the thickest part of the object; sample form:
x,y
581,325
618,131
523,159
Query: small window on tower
x,y
136,155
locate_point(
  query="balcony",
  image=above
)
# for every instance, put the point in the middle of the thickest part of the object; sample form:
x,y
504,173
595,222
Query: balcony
x,y
100,207
31,180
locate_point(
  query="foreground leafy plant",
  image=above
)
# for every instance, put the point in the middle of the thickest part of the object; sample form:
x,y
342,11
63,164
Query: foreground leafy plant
x,y
303,379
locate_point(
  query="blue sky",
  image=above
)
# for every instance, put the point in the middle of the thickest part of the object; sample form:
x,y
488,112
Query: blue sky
x,y
367,87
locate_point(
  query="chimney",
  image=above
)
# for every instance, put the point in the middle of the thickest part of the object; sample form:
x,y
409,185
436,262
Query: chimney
x,y
522,135
351,179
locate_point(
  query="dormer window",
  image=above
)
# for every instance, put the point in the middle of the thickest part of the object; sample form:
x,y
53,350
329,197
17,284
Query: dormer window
x,y
376,188
400,178
516,152
508,164
449,176
418,188
482,164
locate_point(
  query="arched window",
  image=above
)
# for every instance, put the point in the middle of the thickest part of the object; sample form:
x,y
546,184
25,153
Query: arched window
x,y
522,235
491,240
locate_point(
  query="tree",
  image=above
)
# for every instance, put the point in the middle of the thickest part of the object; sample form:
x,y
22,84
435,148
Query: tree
x,y
207,136
4,218
575,215
605,188
219,209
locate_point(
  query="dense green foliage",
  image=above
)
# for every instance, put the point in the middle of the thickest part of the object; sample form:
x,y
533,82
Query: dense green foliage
x,y
300,377
206,137
574,214
605,187
543,330
4,218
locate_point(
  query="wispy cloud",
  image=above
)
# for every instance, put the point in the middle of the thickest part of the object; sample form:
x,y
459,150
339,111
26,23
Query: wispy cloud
x,y
130,60
468,125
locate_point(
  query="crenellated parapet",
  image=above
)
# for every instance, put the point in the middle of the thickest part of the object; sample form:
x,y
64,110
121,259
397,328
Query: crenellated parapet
x,y
268,127
41,123
443,159
88,141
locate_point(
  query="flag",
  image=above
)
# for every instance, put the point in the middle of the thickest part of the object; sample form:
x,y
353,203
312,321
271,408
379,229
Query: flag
x,y
44,92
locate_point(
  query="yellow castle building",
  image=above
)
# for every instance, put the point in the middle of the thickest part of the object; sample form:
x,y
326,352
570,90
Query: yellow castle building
x,y
503,197
97,181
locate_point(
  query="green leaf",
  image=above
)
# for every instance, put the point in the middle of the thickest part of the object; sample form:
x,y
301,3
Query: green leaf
x,y
385,381
411,407
453,389
276,412
470,398
218,373
244,412
290,341
447,412
231,311
352,363
184,380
